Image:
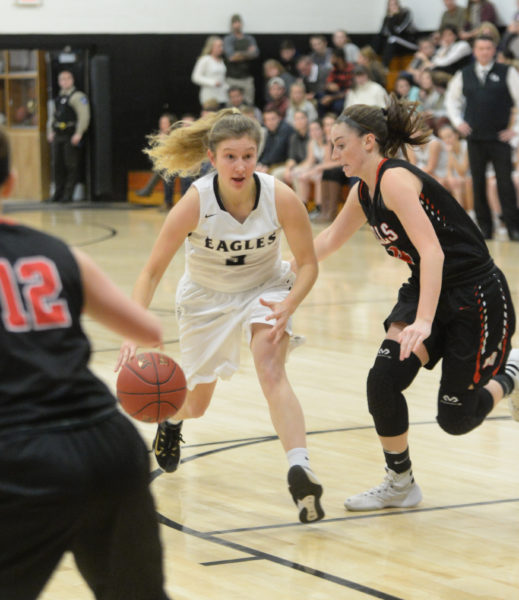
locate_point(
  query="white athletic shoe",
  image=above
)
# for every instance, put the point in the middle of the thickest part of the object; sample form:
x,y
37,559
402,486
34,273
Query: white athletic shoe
x,y
398,490
512,370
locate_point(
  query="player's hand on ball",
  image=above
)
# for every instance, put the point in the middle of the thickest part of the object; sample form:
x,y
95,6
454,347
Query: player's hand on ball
x,y
126,353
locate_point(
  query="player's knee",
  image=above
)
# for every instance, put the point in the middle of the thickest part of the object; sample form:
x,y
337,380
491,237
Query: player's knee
x,y
386,405
461,412
386,380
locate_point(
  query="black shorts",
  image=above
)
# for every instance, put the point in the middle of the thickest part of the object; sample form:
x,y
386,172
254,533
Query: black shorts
x,y
471,331
83,490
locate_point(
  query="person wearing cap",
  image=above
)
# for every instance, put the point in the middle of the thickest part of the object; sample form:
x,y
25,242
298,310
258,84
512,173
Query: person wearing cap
x,y
279,99
68,122
365,91
240,50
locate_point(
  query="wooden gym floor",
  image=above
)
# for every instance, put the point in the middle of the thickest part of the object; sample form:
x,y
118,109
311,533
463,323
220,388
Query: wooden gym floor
x,y
229,527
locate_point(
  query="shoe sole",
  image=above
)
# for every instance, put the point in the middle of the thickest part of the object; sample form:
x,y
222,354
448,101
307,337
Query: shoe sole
x,y
306,495
413,498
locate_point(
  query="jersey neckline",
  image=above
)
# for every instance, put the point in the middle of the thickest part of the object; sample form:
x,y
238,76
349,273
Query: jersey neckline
x,y
219,199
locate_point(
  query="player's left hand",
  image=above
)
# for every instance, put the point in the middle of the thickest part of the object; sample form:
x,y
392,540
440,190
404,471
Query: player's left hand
x,y
281,314
412,336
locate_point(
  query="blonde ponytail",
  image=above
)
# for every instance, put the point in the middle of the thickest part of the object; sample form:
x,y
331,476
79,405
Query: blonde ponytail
x,y
184,149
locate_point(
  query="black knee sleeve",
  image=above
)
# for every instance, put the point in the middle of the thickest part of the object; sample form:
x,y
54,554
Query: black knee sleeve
x,y
461,412
388,377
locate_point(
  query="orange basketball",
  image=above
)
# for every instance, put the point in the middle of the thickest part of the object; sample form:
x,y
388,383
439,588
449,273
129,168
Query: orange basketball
x,y
151,387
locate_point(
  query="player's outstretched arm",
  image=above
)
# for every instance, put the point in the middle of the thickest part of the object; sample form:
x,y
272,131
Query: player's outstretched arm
x,y
346,223
106,303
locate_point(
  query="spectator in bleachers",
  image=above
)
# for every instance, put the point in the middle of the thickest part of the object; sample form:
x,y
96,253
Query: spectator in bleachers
x,y
377,72
453,53
288,57
278,94
275,152
237,100
365,91
209,72
296,148
422,58
341,40
240,50
404,88
333,178
313,77
453,15
298,101
398,33
510,41
338,82
488,28
431,157
273,68
321,54
458,180
310,170
477,12
433,85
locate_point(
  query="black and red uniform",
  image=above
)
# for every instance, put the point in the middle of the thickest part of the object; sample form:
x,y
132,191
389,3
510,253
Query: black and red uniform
x,y
475,318
74,472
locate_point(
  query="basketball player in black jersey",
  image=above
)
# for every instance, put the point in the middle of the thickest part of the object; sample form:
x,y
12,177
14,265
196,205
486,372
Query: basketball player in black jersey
x,y
74,471
455,307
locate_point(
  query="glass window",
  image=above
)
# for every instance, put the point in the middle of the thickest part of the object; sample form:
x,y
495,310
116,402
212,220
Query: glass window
x,y
21,61
23,109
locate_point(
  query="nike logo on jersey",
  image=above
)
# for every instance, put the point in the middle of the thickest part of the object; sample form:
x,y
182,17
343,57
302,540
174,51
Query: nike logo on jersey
x,y
211,215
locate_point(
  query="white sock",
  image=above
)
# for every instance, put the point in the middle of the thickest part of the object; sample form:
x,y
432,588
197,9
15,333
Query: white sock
x,y
173,422
298,456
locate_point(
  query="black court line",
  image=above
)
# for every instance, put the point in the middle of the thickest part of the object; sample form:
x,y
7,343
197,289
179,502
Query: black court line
x,y
225,445
214,563
393,512
347,583
111,232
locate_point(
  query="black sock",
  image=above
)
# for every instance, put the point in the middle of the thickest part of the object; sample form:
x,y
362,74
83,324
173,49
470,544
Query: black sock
x,y
399,463
506,382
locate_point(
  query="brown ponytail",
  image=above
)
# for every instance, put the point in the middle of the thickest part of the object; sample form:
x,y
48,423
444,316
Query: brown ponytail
x,y
394,128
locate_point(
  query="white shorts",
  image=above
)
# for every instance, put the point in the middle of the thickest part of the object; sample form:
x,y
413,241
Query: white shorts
x,y
211,324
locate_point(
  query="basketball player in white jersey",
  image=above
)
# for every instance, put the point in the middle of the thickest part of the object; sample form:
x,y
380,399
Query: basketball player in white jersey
x,y
231,222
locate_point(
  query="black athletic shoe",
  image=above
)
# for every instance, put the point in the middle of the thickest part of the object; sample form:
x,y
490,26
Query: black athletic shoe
x,y
306,492
166,446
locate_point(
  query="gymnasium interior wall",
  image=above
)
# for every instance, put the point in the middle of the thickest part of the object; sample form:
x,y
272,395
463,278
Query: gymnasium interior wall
x,y
152,47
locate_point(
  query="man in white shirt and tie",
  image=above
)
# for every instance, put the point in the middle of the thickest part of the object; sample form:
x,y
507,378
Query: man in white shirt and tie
x,y
480,103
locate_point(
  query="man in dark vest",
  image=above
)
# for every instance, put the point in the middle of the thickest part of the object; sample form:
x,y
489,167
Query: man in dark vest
x,y
480,103
68,122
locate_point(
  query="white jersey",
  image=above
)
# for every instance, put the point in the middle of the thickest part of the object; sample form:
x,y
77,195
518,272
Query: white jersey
x,y
228,256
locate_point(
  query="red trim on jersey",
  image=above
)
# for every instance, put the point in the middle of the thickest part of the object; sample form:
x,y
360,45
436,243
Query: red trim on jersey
x,y
6,221
378,169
